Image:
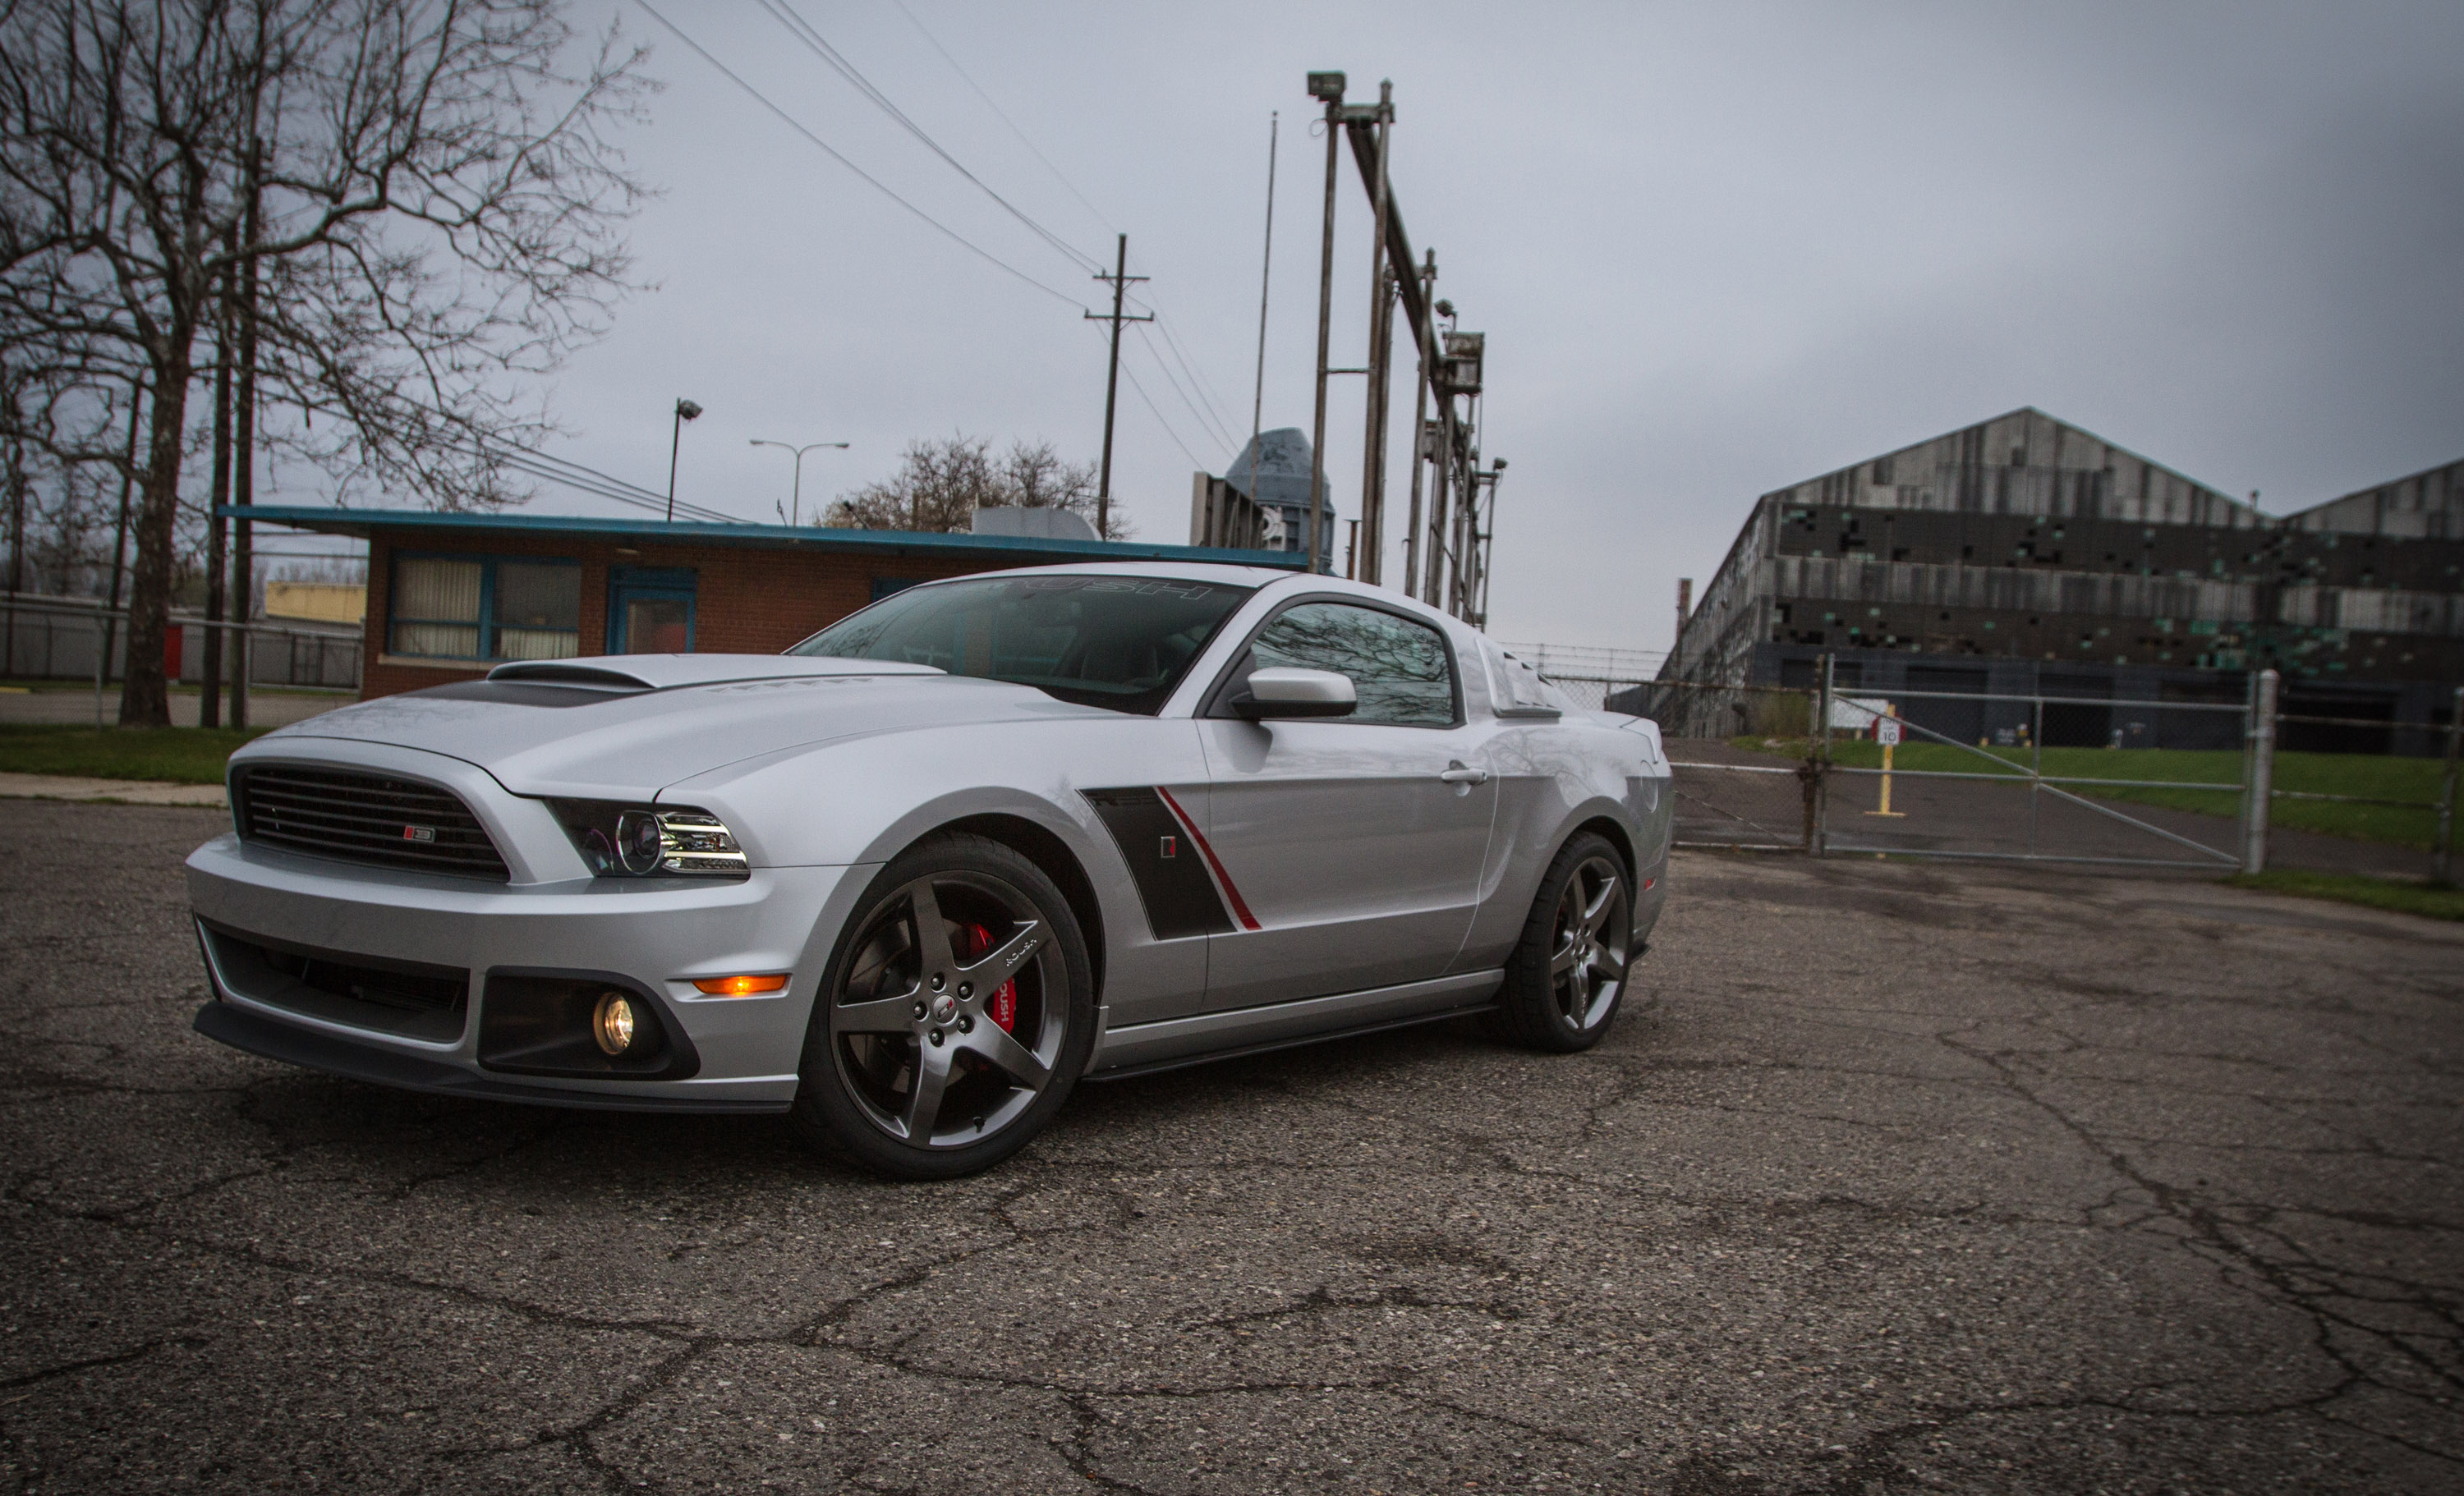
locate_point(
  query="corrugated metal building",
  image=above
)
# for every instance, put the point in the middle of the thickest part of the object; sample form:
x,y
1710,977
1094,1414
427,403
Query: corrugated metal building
x,y
2025,554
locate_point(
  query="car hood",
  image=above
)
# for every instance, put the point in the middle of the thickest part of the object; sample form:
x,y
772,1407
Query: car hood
x,y
625,726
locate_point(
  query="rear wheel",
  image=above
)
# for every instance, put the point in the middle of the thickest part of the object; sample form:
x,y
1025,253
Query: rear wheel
x,y
1568,973
955,1015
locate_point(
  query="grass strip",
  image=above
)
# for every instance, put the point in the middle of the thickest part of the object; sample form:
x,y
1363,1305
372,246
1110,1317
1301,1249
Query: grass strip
x,y
2369,776
2430,900
180,754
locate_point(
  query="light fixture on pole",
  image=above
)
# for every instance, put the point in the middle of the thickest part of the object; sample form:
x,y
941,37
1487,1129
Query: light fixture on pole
x,y
795,502
685,410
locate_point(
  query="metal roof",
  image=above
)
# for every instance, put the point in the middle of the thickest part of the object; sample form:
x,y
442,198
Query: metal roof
x,y
364,522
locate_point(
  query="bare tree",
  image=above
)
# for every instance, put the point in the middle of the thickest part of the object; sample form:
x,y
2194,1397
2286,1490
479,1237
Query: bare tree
x,y
942,482
439,225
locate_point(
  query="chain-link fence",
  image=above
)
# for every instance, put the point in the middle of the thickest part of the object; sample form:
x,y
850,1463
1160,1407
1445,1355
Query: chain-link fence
x,y
2041,777
47,638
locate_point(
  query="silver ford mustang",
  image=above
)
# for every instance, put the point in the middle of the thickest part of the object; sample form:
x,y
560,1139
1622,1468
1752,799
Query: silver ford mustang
x,y
914,879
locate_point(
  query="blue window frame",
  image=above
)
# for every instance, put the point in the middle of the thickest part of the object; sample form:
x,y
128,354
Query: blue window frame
x,y
650,610
455,605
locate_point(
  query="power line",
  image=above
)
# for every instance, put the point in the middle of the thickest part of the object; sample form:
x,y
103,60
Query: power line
x,y
1214,412
786,14
1147,401
1188,365
870,180
1022,135
1173,380
952,234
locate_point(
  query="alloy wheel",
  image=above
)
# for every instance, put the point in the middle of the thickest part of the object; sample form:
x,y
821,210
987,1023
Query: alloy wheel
x,y
947,1023
1591,943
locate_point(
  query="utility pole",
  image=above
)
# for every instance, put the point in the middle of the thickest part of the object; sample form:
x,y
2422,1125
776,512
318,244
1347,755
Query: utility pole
x,y
1266,281
1488,543
244,449
1120,278
120,535
1381,352
1327,88
209,673
16,544
1412,546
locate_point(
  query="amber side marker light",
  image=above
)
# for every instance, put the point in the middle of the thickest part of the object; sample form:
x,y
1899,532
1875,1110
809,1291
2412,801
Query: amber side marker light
x,y
741,986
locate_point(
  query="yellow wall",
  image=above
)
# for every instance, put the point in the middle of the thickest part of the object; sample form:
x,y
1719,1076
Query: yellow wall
x,y
324,601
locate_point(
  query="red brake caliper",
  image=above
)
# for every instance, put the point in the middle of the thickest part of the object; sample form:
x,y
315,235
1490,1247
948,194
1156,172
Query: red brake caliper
x,y
1003,1003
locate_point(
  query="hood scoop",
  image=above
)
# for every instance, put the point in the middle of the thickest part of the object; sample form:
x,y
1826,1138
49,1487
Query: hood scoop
x,y
666,672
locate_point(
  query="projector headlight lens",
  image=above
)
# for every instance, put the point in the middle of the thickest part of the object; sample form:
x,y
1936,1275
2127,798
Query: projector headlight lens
x,y
620,840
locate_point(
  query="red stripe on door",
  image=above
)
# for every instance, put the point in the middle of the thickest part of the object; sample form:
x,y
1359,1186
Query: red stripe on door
x,y
1240,910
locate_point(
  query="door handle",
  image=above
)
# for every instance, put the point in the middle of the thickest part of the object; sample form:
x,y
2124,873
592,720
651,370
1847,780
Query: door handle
x,y
1456,774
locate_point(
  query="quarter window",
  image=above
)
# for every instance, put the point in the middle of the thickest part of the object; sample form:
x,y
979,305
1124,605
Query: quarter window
x,y
483,608
1400,667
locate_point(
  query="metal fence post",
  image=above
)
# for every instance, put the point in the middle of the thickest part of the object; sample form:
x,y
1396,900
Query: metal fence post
x,y
2442,853
103,655
2262,774
1820,806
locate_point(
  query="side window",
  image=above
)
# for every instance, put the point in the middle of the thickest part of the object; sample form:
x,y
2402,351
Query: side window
x,y
1398,666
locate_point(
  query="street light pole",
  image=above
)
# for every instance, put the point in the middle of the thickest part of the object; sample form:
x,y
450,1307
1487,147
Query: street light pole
x,y
795,502
685,410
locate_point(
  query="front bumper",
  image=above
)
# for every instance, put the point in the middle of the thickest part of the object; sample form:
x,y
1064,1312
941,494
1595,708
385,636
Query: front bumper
x,y
656,937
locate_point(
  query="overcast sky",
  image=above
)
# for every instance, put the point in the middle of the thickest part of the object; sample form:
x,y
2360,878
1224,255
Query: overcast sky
x,y
1716,249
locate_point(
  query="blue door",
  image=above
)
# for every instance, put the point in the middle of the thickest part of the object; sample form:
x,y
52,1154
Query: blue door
x,y
650,610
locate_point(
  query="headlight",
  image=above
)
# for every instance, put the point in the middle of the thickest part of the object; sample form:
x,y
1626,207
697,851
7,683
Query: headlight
x,y
620,840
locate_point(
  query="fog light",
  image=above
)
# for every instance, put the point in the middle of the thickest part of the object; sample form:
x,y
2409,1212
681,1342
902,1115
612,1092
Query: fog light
x,y
612,1024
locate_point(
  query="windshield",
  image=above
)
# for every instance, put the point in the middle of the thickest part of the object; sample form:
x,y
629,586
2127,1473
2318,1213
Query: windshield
x,y
1117,642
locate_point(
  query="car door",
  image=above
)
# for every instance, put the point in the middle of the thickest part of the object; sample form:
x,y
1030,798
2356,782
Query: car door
x,y
1350,847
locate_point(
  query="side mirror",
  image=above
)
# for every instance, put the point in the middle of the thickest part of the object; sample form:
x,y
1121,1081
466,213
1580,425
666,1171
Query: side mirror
x,y
1282,692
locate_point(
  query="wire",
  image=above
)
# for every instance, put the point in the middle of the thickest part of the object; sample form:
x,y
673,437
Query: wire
x,y
1173,380
1195,460
1004,117
868,178
590,480
1198,381
1197,370
786,14
1211,417
1147,400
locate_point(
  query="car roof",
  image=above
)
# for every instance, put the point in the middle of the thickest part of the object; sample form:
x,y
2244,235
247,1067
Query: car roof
x,y
1283,581
1175,571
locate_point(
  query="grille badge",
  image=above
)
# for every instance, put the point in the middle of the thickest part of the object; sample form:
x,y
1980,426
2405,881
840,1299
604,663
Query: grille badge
x,y
419,833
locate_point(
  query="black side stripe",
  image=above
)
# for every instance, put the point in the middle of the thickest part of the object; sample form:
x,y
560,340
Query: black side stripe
x,y
1179,898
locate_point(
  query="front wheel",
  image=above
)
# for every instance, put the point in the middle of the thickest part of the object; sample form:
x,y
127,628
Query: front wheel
x,y
1568,972
956,1012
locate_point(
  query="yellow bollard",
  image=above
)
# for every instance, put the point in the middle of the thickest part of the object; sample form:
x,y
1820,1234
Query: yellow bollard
x,y
1886,729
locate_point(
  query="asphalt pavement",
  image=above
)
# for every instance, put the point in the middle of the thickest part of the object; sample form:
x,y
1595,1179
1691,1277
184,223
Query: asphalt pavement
x,y
1895,1178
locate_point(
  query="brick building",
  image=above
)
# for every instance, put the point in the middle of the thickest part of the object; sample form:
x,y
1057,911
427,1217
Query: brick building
x,y
2024,554
452,595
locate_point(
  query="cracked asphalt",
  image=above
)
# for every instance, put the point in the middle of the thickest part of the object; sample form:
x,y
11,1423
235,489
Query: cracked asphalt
x,y
1908,1178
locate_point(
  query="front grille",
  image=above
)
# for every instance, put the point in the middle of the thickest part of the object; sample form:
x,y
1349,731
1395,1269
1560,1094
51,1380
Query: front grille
x,y
370,817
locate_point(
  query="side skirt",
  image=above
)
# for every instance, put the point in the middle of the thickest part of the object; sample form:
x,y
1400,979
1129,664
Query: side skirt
x,y
1210,1057
1143,1048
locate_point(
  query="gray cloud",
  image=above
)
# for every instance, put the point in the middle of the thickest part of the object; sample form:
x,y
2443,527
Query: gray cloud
x,y
1716,249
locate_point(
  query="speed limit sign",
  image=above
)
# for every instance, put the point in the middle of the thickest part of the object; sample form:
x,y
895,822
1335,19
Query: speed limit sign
x,y
1886,731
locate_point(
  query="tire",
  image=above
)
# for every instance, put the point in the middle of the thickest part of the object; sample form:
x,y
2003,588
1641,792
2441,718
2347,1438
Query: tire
x,y
930,1061
1568,973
